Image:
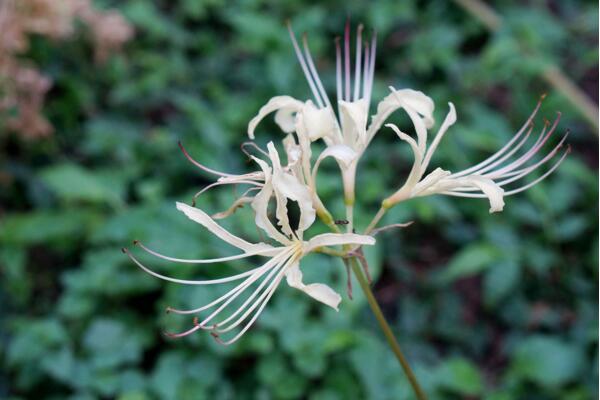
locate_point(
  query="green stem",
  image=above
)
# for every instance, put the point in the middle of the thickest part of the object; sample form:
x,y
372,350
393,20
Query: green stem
x,y
387,331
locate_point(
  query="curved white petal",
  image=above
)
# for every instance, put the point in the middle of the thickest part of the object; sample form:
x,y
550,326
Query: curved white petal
x,y
286,118
203,219
317,291
260,205
407,99
448,122
416,172
344,155
334,239
494,192
287,104
430,181
488,187
287,186
319,122
353,117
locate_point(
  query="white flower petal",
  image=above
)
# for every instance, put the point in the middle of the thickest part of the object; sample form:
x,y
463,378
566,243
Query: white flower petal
x,y
287,186
287,104
286,118
319,123
304,143
354,122
334,239
344,155
317,291
292,150
488,187
414,100
416,172
494,192
430,181
448,122
260,205
203,219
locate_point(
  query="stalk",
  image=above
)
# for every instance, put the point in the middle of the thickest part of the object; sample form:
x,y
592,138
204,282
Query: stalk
x,y
387,331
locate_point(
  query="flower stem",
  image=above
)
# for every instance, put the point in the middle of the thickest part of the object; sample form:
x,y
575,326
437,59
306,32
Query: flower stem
x,y
375,220
387,331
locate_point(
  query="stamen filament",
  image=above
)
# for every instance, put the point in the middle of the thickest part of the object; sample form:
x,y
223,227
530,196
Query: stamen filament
x,y
304,66
197,164
186,281
313,70
347,60
262,252
358,63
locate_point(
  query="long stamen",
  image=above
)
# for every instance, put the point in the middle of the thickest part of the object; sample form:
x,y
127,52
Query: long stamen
x,y
371,67
304,66
347,60
358,63
525,157
529,169
263,252
506,156
277,263
365,82
186,281
240,287
499,153
218,327
258,312
253,145
518,190
182,334
541,178
212,185
197,164
516,175
313,70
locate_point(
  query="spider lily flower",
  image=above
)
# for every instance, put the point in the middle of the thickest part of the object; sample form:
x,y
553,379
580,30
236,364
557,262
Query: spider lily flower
x,y
283,258
254,179
347,135
484,180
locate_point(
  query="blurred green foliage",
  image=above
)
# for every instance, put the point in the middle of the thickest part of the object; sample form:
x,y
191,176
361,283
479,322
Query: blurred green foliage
x,y
498,307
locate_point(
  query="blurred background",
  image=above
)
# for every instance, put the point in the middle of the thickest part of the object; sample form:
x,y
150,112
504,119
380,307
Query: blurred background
x,y
93,99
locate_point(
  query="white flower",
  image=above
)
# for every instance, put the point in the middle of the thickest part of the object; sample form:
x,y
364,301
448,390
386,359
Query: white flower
x,y
347,135
283,258
486,179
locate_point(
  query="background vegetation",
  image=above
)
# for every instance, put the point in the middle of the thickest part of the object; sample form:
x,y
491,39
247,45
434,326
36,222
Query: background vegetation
x,y
498,307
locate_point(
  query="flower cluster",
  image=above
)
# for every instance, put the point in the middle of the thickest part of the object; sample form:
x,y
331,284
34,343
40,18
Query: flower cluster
x,y
345,133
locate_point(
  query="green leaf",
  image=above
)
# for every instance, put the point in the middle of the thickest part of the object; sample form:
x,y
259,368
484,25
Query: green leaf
x,y
547,360
499,280
460,376
470,261
46,226
111,343
71,182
